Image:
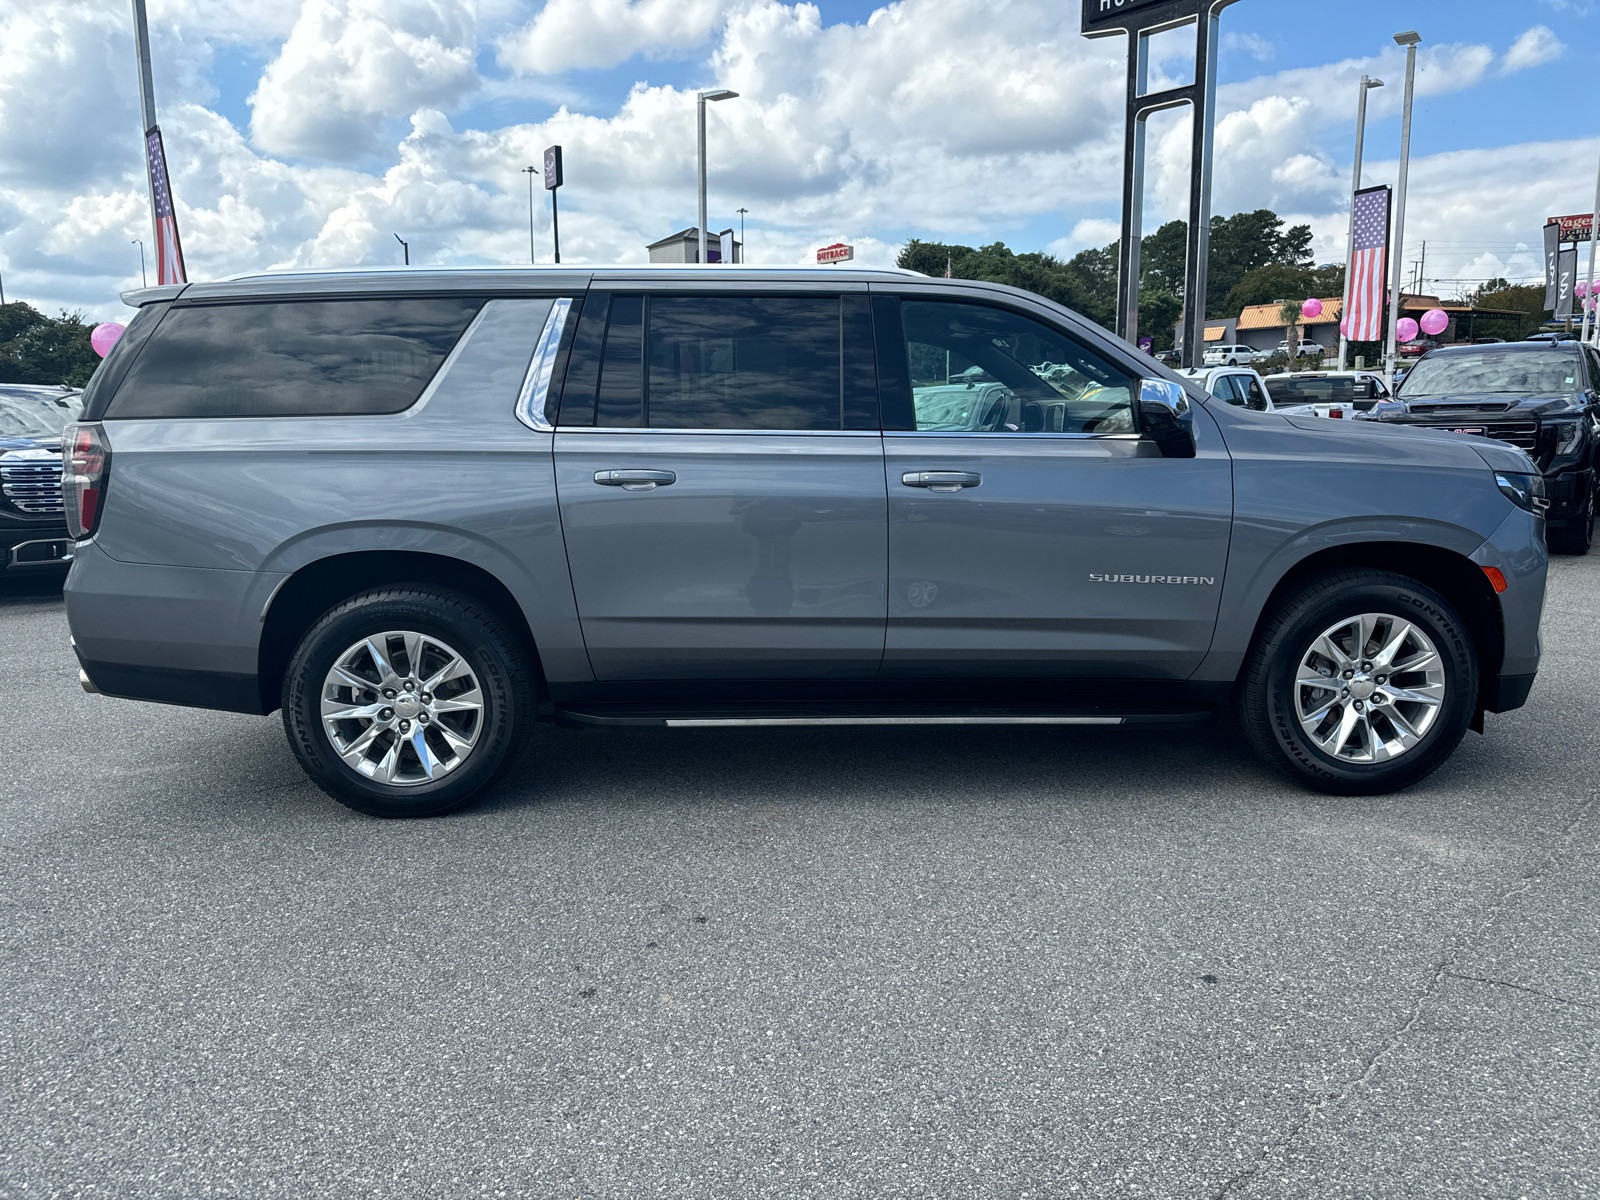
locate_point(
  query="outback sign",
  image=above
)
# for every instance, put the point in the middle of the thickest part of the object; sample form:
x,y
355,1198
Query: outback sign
x,y
838,252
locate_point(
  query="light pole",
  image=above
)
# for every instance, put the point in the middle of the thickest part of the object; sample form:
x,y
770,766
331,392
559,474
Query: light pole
x,y
1355,186
405,246
1409,40
143,282
530,172
742,212
700,103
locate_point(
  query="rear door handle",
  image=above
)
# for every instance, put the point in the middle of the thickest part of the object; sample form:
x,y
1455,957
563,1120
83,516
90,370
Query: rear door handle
x,y
635,481
941,481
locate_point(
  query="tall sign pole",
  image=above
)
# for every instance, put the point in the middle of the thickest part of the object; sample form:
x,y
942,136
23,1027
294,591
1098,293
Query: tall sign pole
x,y
1139,20
169,249
552,181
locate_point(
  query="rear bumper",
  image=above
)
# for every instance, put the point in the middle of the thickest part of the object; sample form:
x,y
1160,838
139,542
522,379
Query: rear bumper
x,y
175,635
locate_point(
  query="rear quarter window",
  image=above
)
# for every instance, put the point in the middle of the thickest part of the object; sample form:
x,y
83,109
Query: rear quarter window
x,y
292,358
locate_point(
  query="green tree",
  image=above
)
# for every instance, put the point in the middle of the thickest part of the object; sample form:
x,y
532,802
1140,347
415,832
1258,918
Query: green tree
x,y
1164,256
35,348
1527,302
1083,284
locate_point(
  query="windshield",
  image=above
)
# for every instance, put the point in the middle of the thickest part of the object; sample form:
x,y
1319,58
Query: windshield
x,y
1493,371
31,418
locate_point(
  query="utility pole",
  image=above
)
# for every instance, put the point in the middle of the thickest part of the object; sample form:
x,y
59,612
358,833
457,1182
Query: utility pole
x,y
1355,186
530,172
405,246
1409,40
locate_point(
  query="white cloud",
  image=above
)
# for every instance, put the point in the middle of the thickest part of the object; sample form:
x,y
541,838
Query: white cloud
x,y
571,34
1535,47
962,120
1253,44
348,64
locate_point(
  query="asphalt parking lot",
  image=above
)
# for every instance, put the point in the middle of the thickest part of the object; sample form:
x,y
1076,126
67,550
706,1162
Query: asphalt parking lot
x,y
784,963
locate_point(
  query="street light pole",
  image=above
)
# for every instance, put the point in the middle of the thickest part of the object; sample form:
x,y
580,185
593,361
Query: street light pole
x,y
742,212
1409,40
1355,186
529,172
405,246
143,282
700,104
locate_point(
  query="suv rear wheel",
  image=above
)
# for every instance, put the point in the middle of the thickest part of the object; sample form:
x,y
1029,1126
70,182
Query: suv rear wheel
x,y
406,701
1579,536
1362,683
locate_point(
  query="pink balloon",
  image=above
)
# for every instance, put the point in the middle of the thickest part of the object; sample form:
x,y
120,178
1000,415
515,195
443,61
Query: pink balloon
x,y
1581,288
105,336
1311,309
1406,329
1344,327
1434,322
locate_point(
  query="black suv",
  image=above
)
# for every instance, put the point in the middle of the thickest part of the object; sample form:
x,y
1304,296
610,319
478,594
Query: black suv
x,y
1541,396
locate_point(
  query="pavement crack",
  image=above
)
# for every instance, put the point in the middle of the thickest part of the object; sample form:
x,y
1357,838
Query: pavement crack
x,y
1522,987
1439,974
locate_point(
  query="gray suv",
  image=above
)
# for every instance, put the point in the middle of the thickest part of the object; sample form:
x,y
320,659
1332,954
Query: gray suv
x,y
419,511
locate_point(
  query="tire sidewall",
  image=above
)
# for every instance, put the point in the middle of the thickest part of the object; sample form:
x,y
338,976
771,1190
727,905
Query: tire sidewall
x,y
464,632
1423,608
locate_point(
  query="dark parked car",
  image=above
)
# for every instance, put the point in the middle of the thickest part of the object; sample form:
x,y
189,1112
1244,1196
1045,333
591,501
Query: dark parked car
x,y
1542,397
33,524
418,511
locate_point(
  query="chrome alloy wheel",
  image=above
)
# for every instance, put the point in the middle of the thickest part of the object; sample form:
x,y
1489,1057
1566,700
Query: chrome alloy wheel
x,y
402,708
1369,688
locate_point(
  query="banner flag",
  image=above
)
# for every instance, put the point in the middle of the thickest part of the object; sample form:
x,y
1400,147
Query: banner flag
x,y
1552,243
169,250
1369,252
1566,276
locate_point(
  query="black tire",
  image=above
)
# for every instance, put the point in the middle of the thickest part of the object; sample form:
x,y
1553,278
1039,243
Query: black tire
x,y
1576,538
494,656
1266,698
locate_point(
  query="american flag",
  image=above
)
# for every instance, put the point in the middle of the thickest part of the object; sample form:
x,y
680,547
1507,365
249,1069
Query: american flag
x,y
169,251
1368,254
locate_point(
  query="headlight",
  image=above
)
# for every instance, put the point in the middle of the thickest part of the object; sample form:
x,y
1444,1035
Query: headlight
x,y
1525,491
1567,435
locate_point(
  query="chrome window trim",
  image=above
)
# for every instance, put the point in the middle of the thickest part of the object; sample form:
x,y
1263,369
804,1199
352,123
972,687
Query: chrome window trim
x,y
871,433
1011,433
535,392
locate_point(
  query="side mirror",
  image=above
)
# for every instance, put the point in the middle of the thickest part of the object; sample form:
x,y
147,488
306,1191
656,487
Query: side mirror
x,y
1165,417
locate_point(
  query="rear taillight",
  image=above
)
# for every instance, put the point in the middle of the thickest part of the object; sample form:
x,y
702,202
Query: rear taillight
x,y
85,468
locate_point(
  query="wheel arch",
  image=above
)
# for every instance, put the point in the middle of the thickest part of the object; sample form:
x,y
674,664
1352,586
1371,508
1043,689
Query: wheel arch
x,y
1454,576
316,587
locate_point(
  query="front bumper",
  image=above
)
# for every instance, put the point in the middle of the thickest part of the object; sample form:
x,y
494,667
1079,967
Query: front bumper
x,y
1568,494
34,545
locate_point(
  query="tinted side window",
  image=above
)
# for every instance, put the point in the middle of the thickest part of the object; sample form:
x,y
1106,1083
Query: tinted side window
x,y
620,401
293,358
1254,396
103,383
980,369
1226,387
744,362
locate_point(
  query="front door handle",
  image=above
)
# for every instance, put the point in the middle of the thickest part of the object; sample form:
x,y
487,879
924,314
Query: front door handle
x,y
635,481
941,481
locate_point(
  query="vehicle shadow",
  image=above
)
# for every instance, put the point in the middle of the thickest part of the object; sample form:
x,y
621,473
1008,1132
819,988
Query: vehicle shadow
x,y
31,590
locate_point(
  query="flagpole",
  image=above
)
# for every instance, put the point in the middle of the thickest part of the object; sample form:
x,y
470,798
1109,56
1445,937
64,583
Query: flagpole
x,y
1355,186
155,160
1589,324
1409,40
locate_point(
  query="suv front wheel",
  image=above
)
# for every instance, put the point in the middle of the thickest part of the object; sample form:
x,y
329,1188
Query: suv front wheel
x,y
1362,683
406,701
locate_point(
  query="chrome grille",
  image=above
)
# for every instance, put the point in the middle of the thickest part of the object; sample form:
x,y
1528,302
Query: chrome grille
x,y
33,487
1522,434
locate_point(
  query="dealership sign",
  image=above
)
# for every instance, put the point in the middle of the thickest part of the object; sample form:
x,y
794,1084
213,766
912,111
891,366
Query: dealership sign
x,y
1113,14
1575,229
838,252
